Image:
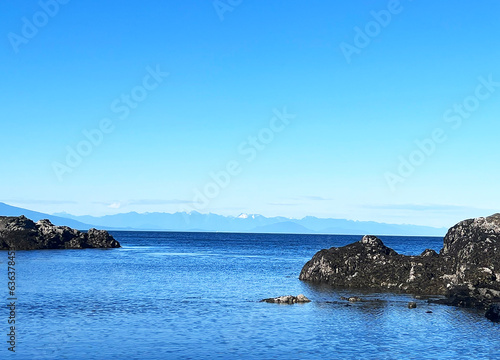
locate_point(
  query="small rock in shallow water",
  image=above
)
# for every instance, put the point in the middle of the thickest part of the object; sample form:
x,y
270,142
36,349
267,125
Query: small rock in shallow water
x,y
288,299
302,298
428,312
351,298
412,305
493,313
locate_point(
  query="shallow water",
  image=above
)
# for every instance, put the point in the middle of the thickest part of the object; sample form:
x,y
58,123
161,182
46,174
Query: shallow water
x,y
196,296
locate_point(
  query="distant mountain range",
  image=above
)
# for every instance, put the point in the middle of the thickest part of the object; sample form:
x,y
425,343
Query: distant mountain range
x,y
195,221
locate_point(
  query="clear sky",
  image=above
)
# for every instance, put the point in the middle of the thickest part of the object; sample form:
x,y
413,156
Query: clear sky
x,y
367,110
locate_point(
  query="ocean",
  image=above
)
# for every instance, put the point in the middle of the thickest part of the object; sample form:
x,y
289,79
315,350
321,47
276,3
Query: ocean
x,y
167,295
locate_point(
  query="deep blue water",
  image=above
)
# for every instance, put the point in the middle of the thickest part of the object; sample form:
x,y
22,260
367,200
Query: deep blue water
x,y
196,296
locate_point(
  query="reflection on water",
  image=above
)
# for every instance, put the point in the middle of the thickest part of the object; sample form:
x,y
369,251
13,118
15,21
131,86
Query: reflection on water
x,y
194,295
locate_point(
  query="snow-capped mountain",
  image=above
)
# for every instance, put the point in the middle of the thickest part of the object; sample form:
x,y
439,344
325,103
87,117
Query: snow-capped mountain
x,y
248,216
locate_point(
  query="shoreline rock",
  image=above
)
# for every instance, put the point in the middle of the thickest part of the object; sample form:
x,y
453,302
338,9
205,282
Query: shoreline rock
x,y
466,271
21,233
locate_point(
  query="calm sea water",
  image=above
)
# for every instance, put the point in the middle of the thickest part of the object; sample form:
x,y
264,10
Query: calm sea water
x,y
196,296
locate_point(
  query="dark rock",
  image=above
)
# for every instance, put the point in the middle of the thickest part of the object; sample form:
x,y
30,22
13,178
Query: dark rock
x,y
428,312
20,233
466,270
465,295
369,264
351,298
288,299
412,305
429,253
493,313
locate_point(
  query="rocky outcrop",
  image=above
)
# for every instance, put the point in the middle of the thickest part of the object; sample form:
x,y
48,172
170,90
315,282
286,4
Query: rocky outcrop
x,y
288,299
466,270
20,233
369,264
472,248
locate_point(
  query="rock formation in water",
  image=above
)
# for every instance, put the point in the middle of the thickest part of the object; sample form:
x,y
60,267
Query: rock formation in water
x,y
20,233
466,270
288,299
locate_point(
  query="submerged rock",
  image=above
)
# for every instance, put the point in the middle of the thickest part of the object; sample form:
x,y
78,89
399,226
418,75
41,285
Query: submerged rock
x,y
351,298
466,270
21,233
493,313
288,299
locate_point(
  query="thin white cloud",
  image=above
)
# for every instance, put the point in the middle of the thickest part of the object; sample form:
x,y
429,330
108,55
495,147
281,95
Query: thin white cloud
x,y
115,205
428,207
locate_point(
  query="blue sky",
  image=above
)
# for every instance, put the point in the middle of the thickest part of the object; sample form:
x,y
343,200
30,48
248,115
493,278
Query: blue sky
x,y
416,71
